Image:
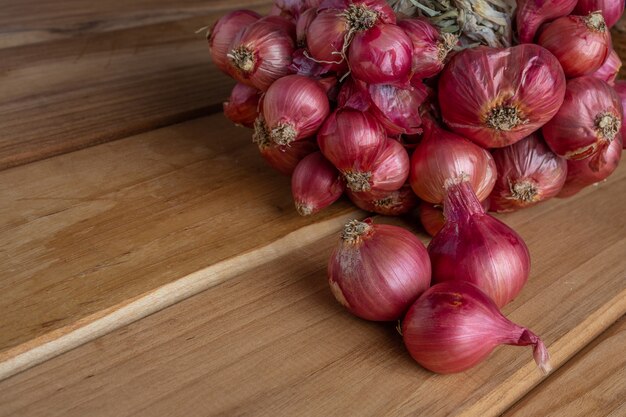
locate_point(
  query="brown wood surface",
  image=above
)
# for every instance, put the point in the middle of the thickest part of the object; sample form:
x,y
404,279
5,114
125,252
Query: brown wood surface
x,y
591,384
99,227
272,341
108,76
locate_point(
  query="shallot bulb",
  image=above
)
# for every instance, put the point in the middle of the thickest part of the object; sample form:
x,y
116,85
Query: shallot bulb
x,y
295,8
388,203
302,25
442,155
397,108
242,107
620,89
329,35
432,218
580,43
224,31
528,173
496,97
378,270
596,168
283,159
611,9
454,326
609,70
294,108
315,184
260,54
381,55
476,247
589,119
531,14
430,48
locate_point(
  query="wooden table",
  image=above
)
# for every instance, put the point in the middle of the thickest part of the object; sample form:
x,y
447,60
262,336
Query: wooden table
x,y
151,264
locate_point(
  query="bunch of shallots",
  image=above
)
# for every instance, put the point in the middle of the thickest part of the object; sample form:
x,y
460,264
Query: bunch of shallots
x,y
418,113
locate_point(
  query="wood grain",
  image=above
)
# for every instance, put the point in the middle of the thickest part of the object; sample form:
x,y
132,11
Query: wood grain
x,y
273,341
103,226
590,385
68,94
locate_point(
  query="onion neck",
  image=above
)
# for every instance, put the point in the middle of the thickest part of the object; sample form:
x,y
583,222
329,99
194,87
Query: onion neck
x,y
243,58
524,337
358,181
524,190
304,209
595,22
355,230
283,134
505,118
607,125
446,43
360,18
460,202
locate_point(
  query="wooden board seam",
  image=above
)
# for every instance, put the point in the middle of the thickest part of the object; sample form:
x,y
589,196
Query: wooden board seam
x,y
38,350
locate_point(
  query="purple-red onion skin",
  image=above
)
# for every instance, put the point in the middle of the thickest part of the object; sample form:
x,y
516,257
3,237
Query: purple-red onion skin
x,y
611,9
302,25
378,275
391,168
381,55
224,31
271,46
454,326
442,155
528,173
296,101
596,168
531,14
620,89
432,218
387,203
574,132
397,108
475,247
315,184
428,58
579,49
609,70
478,83
242,107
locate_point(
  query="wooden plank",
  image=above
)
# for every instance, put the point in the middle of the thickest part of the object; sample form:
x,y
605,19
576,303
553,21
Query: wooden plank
x,y
89,233
273,341
33,21
69,94
589,385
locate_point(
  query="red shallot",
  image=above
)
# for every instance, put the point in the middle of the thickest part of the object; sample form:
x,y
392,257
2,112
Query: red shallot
x,y
378,270
589,119
609,70
242,107
294,108
442,155
454,326
430,48
528,173
531,14
611,9
224,31
388,203
315,184
476,247
496,97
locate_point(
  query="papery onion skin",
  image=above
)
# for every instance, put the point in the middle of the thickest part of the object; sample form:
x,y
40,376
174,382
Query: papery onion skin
x,y
294,108
302,25
352,141
496,97
611,9
430,48
389,171
397,108
387,203
531,14
381,55
378,270
315,184
224,31
620,89
454,326
302,64
260,54
580,48
594,169
476,247
242,107
432,218
609,70
296,8
528,173
442,155
283,159
354,94
590,117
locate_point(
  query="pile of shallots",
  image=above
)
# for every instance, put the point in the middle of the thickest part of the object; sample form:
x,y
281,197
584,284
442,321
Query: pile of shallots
x,y
398,114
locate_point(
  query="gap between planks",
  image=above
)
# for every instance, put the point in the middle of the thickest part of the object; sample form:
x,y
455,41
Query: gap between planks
x,y
61,340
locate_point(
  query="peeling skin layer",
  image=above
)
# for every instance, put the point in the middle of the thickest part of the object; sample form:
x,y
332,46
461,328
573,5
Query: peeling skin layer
x,y
334,287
